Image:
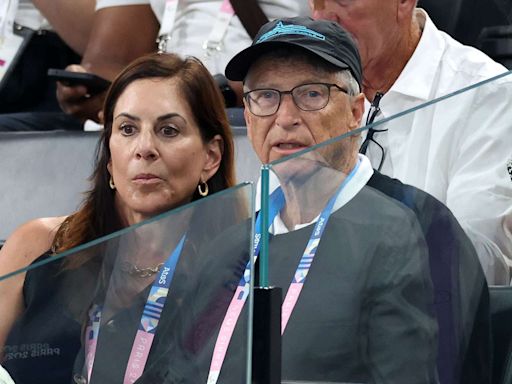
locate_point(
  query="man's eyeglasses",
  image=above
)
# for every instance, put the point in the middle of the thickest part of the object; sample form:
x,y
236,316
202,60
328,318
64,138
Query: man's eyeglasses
x,y
307,97
372,114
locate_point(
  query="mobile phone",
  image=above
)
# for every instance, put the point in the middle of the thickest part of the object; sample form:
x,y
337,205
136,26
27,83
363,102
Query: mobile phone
x,y
94,83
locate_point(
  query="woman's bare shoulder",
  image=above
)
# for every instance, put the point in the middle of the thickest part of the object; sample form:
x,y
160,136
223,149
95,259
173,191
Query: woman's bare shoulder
x,y
28,242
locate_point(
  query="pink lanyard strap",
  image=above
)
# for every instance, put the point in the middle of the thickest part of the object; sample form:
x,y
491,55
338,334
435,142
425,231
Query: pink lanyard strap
x,y
242,292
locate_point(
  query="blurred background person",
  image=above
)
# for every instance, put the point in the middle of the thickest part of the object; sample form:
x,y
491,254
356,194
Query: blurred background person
x,y
455,151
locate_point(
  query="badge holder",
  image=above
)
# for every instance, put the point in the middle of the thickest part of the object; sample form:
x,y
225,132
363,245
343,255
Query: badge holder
x,y
11,49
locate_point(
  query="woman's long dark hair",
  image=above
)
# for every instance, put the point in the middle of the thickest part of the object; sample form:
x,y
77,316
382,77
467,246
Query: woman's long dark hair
x,y
97,215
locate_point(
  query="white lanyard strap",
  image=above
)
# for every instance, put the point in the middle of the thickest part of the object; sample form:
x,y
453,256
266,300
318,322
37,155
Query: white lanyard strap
x,y
214,40
220,27
7,15
168,20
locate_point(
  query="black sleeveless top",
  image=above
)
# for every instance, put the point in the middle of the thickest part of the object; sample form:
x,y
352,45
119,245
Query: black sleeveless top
x,y
44,341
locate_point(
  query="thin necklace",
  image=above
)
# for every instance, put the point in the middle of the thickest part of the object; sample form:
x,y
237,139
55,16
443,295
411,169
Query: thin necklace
x,y
134,270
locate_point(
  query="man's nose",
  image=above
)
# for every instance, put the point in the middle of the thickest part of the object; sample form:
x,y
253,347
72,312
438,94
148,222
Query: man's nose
x,y
288,113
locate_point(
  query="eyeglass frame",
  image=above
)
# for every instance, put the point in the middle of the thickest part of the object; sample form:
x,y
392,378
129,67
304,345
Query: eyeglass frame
x,y
290,92
370,118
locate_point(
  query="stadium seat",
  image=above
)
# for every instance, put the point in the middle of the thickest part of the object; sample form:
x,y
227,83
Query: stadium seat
x,y
501,320
465,19
445,14
497,43
45,173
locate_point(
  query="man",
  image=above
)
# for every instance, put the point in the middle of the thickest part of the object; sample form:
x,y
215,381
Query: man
x,y
454,149
301,82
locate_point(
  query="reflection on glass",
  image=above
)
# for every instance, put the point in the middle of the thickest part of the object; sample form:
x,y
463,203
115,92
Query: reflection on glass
x,y
144,304
370,271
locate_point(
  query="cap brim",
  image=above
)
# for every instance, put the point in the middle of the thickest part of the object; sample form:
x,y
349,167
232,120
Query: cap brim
x,y
239,65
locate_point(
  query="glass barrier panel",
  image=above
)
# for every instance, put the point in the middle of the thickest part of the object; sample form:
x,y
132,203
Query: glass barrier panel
x,y
144,304
456,148
380,283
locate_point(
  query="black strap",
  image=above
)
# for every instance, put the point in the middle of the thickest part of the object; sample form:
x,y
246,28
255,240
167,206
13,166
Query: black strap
x,y
250,14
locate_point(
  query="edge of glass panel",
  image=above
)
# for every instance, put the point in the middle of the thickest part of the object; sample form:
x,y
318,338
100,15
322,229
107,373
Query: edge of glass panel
x,y
130,228
250,321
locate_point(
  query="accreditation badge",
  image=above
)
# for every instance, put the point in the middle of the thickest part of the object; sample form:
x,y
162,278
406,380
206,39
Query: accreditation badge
x,y
11,48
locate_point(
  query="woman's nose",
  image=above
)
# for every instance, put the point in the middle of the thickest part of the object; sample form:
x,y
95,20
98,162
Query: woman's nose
x,y
146,146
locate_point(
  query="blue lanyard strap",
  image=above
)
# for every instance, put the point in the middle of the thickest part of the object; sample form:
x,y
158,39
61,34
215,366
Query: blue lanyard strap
x,y
159,291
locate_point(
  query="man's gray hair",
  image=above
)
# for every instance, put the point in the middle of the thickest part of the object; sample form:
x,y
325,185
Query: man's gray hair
x,y
346,78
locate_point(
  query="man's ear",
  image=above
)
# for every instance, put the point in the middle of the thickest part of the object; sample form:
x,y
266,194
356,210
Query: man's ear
x,y
405,10
214,150
317,5
248,120
357,108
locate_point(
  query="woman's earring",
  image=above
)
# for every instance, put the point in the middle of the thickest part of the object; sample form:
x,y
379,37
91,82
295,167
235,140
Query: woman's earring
x,y
111,183
202,192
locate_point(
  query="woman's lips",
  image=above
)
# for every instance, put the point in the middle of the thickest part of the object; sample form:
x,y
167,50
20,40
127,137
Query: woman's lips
x,y
146,178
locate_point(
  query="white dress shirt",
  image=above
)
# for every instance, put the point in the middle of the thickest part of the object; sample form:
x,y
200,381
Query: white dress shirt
x,y
5,378
455,149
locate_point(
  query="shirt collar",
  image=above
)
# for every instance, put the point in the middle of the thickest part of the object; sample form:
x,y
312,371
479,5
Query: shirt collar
x,y
358,181
417,78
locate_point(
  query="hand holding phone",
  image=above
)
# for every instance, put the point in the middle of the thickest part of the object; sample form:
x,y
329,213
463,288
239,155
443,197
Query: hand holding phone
x,y
94,83
78,92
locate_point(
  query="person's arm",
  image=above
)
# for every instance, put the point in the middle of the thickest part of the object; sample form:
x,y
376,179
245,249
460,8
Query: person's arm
x,y
119,35
25,244
71,20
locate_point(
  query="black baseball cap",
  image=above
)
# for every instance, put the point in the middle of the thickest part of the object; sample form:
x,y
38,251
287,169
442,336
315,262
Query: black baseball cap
x,y
326,39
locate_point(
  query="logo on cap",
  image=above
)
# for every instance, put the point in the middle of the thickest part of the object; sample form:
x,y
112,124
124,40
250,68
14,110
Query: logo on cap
x,y
290,29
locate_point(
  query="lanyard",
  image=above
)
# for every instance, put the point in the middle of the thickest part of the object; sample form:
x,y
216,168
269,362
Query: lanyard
x,y
214,41
148,322
227,328
7,15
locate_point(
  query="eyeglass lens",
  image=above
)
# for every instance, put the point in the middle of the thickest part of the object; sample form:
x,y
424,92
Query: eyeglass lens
x,y
307,97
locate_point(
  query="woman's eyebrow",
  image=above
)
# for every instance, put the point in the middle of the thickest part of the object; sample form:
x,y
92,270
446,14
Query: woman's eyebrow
x,y
125,114
169,116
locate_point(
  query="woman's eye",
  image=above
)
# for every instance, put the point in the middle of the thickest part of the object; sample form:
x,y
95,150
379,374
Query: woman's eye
x,y
169,131
127,129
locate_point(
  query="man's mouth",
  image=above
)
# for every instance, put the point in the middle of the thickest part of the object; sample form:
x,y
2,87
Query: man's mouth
x,y
287,146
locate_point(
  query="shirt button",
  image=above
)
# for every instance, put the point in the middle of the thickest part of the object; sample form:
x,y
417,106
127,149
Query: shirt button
x,y
79,379
110,325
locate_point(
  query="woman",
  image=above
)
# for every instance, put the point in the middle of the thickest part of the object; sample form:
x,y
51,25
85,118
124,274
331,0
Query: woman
x,y
166,143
